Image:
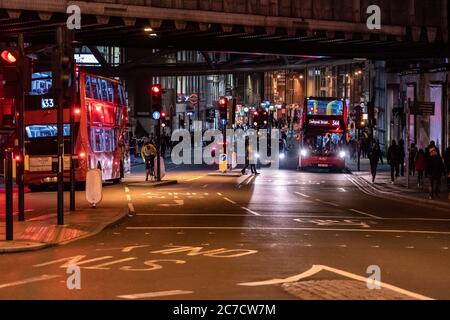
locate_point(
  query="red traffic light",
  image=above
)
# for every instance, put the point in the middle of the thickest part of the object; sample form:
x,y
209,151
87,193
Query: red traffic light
x,y
255,113
223,101
156,89
8,56
163,114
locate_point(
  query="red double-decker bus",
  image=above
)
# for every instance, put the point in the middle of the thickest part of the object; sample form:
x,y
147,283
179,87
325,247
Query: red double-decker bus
x,y
323,133
101,133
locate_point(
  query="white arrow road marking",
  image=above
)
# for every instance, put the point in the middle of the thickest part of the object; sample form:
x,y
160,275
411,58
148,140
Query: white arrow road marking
x,y
302,194
251,211
154,294
29,280
196,178
317,268
365,213
329,222
229,200
178,203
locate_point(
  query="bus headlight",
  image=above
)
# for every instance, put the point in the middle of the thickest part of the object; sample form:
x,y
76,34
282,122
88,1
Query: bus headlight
x,y
304,152
342,154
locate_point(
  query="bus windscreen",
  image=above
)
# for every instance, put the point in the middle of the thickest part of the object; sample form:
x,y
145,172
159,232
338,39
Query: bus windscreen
x,y
318,107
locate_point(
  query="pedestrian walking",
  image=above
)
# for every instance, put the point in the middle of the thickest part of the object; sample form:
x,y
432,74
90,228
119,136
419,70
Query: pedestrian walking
x,y
249,158
393,158
412,159
375,157
420,164
401,150
447,167
435,169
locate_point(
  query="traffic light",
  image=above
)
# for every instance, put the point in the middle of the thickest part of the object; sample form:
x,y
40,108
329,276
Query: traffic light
x,y
359,117
10,55
156,96
223,108
256,118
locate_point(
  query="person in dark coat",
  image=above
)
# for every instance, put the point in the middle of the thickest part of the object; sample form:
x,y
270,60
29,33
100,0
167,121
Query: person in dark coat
x,y
401,150
412,159
375,156
447,167
393,158
435,169
420,164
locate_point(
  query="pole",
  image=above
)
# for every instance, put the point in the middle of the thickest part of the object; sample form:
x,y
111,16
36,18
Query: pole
x,y
9,195
73,104
60,124
20,129
158,150
359,148
407,143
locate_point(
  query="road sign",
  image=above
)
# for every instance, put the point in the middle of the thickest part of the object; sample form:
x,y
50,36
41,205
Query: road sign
x,y
193,99
223,164
420,108
156,115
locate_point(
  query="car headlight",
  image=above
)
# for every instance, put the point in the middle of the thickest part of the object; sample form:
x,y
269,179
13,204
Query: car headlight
x,y
257,155
304,152
282,156
342,154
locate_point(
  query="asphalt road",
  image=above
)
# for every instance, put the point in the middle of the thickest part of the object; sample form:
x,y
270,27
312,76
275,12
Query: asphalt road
x,y
247,238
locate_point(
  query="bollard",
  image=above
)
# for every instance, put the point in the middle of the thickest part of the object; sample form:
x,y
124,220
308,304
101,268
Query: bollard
x,y
9,194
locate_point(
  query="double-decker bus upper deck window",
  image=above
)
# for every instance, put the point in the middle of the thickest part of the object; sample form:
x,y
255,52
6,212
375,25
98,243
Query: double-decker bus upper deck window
x,y
121,90
87,86
104,89
325,107
110,91
96,94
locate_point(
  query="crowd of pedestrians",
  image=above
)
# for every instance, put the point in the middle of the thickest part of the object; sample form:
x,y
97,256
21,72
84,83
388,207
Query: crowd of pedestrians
x,y
427,163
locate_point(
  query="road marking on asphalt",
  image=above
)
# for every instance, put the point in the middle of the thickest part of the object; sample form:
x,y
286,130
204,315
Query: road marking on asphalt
x,y
291,229
251,211
365,213
204,186
444,248
333,222
196,178
229,200
127,189
177,203
29,280
154,294
342,189
124,249
302,194
131,208
327,202
128,197
219,194
317,268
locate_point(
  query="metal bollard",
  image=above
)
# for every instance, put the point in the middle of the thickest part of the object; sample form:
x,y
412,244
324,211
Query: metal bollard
x,y
9,194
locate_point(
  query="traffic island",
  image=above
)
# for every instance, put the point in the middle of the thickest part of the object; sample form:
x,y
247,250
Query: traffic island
x,y
152,184
42,232
225,174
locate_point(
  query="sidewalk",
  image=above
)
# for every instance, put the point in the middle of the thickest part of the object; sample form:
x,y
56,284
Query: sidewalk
x,y
383,184
42,232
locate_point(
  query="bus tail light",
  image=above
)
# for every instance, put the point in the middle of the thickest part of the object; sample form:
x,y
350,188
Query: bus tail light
x,y
77,111
82,155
